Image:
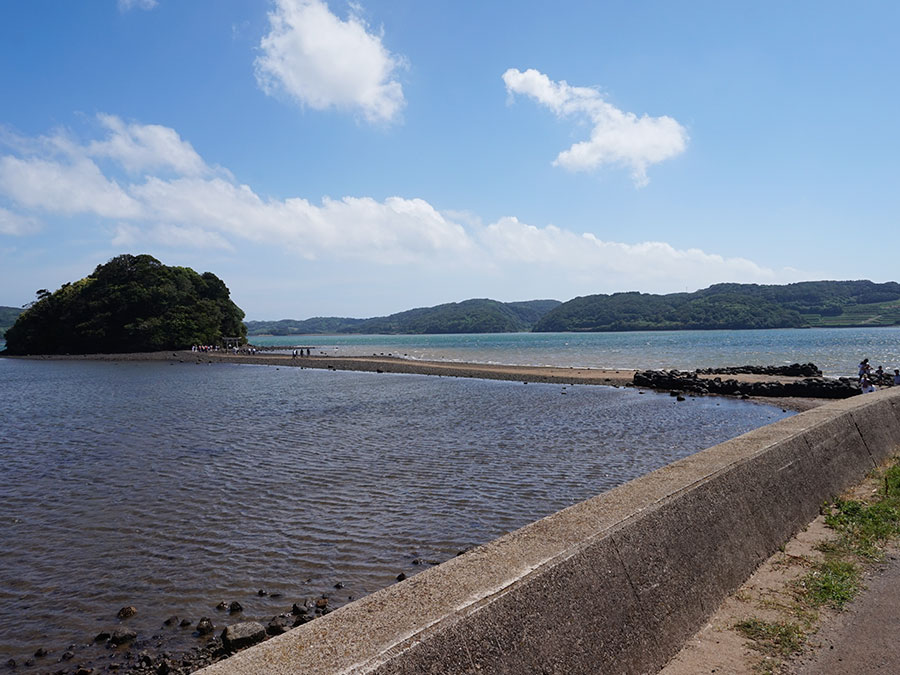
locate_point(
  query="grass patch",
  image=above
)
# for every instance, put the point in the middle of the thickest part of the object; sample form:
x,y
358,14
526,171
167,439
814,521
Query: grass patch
x,y
863,530
774,638
833,583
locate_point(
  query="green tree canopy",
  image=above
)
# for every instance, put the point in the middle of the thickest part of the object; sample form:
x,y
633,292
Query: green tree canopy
x,y
130,304
733,306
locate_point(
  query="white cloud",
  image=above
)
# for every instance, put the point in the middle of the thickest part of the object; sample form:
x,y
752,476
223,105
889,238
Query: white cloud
x,y
127,235
619,265
396,230
321,61
139,147
127,5
17,225
617,137
68,188
200,209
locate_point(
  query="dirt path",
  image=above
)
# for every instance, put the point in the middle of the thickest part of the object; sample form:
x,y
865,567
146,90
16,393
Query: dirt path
x,y
863,638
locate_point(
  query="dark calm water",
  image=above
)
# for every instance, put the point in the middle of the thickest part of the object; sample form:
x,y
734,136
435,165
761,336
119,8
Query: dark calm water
x,y
172,487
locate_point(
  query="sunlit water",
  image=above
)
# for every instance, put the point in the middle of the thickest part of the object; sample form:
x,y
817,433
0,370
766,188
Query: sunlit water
x,y
837,351
172,487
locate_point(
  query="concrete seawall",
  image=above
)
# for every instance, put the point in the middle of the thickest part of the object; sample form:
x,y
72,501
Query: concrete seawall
x,y
614,584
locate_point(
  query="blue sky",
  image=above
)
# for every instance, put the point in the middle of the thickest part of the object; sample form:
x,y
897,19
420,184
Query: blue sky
x,y
358,159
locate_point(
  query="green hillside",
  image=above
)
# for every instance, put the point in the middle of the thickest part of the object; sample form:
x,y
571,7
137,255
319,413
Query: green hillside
x,y
315,326
733,306
8,316
469,316
130,304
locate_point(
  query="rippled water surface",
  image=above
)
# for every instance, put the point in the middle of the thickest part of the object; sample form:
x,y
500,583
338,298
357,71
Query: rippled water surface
x,y
172,487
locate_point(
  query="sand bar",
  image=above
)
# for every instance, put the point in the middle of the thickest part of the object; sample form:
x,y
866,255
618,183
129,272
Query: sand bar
x,y
391,364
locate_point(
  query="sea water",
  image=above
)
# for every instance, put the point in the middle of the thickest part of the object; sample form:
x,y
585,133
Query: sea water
x,y
837,351
174,487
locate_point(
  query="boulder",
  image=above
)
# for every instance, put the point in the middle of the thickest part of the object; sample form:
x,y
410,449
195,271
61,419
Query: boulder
x,y
242,635
278,625
120,636
205,626
126,612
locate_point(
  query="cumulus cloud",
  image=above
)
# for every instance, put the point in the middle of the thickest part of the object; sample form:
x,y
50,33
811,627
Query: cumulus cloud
x,y
396,230
139,147
54,186
650,263
127,5
17,225
141,196
321,61
127,236
617,137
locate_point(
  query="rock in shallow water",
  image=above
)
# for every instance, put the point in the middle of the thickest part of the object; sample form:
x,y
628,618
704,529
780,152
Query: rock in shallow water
x,y
127,612
121,636
278,625
242,635
205,626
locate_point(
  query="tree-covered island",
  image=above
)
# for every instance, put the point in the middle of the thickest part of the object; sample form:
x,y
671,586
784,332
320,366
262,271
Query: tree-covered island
x,y
130,304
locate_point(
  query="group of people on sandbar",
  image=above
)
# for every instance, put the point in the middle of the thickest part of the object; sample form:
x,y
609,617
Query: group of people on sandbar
x,y
294,353
868,378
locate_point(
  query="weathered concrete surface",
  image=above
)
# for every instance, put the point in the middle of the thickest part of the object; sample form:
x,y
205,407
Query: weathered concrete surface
x,y
611,585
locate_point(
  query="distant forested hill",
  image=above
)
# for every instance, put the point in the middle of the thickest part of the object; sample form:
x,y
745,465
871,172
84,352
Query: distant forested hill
x,y
470,316
8,316
733,306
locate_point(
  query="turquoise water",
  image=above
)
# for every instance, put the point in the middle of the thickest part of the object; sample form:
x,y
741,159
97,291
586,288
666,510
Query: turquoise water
x,y
837,351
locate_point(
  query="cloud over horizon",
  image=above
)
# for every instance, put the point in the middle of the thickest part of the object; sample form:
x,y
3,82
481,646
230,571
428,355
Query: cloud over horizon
x,y
146,185
320,61
617,137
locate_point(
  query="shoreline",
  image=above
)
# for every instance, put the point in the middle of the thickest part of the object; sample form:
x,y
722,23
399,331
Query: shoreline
x,y
393,364
146,654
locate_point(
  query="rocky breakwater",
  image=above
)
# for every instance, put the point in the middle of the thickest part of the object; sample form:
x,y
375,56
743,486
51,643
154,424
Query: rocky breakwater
x,y
793,370
694,383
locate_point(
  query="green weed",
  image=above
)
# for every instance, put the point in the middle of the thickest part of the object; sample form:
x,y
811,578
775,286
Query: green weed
x,y
833,583
774,638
